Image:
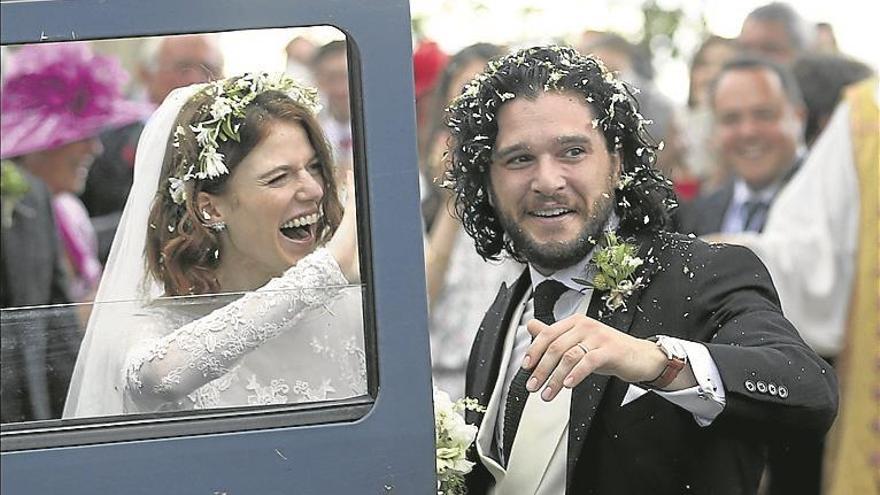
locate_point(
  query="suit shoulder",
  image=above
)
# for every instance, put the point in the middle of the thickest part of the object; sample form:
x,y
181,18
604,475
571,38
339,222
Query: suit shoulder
x,y
709,272
718,196
37,189
691,217
671,246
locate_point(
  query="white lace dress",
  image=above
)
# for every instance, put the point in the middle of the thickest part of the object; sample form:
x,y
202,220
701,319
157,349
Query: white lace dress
x,y
299,338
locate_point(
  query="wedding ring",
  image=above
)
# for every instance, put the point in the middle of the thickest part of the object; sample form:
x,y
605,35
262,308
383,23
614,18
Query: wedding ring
x,y
583,347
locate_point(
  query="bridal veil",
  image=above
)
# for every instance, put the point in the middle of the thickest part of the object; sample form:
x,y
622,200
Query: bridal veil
x,y
126,287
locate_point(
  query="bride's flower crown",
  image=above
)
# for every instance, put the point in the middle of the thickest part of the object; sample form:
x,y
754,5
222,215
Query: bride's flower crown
x,y
225,115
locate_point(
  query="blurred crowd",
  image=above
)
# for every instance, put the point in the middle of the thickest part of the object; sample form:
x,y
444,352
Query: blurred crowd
x,y
762,109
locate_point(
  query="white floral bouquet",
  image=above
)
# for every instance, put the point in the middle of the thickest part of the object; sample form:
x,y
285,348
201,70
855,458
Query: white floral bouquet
x,y
453,437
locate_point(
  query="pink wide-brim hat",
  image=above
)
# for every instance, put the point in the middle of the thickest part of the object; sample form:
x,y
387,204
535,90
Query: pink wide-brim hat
x,y
56,94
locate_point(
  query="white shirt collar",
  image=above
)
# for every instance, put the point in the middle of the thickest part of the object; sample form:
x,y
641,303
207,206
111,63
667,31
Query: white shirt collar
x,y
742,192
567,275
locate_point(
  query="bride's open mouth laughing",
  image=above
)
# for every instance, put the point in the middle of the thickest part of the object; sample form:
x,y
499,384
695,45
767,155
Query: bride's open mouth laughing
x,y
301,229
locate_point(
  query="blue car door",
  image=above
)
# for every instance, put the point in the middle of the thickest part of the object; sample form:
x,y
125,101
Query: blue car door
x,y
377,442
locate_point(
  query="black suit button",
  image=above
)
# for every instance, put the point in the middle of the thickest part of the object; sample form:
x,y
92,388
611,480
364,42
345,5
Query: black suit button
x,y
750,385
762,387
783,392
771,388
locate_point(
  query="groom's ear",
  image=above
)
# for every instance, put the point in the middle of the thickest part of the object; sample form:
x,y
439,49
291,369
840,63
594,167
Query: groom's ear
x,y
487,186
617,162
208,208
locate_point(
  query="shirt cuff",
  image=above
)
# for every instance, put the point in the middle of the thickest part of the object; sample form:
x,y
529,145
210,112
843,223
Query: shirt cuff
x,y
706,400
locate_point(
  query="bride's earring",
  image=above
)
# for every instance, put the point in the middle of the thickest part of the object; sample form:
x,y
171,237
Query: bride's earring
x,y
217,227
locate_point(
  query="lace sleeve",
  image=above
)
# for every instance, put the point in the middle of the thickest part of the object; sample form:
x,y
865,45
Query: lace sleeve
x,y
168,368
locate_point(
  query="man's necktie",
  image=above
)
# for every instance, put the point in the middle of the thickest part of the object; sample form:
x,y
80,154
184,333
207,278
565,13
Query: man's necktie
x,y
756,212
546,295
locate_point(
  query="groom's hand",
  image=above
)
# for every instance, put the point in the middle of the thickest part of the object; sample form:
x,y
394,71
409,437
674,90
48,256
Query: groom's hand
x,y
566,352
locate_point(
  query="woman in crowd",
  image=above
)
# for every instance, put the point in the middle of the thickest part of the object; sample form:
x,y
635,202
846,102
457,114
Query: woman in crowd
x,y
705,65
461,284
234,194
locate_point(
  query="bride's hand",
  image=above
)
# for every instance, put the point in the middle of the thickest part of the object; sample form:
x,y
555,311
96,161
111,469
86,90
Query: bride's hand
x,y
343,246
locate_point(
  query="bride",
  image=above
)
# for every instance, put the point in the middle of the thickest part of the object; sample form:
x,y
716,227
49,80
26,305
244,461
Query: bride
x,y
234,192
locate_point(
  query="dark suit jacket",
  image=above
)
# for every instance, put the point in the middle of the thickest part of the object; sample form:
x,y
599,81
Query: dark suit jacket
x,y
705,215
38,346
109,183
718,294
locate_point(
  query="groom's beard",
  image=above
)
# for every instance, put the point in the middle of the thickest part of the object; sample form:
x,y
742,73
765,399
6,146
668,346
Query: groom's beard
x,y
555,256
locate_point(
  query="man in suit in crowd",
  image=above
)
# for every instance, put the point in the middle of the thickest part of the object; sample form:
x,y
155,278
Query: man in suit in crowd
x,y
827,220
778,32
165,64
330,67
758,122
38,346
655,363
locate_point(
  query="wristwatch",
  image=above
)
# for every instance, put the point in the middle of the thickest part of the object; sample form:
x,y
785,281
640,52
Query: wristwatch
x,y
676,360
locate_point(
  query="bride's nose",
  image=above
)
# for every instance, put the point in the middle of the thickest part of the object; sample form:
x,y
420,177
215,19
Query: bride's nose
x,y
309,189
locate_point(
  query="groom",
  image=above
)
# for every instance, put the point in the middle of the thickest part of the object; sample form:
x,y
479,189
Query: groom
x,y
625,363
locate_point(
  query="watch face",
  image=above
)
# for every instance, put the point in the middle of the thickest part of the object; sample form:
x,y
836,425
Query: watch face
x,y
678,350
673,348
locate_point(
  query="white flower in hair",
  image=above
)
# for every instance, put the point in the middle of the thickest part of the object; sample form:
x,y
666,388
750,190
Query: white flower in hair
x,y
179,132
221,108
203,135
178,192
243,83
213,164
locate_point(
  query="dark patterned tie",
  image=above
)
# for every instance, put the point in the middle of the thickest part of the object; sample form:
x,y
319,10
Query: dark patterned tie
x,y
546,295
756,213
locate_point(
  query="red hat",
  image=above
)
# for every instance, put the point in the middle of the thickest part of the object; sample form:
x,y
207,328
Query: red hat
x,y
428,62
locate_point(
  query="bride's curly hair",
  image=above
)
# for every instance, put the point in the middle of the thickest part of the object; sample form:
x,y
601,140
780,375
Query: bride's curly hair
x,y
182,252
643,198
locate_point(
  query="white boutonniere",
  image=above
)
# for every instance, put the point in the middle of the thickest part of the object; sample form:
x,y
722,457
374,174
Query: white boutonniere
x,y
453,438
13,187
615,264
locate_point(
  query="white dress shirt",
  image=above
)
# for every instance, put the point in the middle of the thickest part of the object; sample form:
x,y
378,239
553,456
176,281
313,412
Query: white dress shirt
x,y
736,216
705,401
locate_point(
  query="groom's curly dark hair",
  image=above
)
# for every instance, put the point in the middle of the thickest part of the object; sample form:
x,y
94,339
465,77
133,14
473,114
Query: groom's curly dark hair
x,y
643,198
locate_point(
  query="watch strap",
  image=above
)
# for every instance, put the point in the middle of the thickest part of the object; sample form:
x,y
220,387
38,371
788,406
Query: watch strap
x,y
674,365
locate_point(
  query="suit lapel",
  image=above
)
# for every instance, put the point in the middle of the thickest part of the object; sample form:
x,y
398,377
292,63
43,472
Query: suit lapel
x,y
716,209
585,398
725,200
487,349
484,366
